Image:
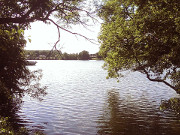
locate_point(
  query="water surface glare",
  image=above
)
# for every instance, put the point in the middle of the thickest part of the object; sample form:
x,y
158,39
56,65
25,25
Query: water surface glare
x,y
81,101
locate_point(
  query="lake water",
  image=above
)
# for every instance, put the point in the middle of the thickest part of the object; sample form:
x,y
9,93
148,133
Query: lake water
x,y
81,101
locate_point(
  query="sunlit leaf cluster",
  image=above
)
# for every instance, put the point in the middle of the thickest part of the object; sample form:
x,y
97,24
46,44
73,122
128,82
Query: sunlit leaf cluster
x,y
144,36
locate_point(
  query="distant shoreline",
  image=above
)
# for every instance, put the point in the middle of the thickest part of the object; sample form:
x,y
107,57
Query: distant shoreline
x,y
58,55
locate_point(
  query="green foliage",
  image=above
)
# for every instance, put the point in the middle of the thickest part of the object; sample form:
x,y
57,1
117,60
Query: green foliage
x,y
11,58
66,56
98,56
143,36
27,11
171,104
7,129
43,54
15,79
14,75
84,55
56,55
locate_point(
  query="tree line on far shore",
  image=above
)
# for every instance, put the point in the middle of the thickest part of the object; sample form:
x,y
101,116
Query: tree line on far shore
x,y
58,55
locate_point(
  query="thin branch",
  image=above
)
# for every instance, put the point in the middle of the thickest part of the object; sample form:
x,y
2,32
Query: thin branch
x,y
25,18
59,7
53,10
55,44
148,76
159,80
74,33
59,37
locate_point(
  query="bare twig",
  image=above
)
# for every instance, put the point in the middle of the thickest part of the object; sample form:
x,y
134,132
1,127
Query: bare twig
x,y
74,33
55,44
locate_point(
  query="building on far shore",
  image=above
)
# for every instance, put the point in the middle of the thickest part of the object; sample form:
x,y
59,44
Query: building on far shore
x,y
92,56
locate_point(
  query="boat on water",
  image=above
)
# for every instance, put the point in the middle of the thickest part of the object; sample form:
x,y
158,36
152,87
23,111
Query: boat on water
x,y
31,63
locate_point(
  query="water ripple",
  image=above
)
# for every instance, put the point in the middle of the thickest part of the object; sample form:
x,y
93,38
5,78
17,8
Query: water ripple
x,y
81,101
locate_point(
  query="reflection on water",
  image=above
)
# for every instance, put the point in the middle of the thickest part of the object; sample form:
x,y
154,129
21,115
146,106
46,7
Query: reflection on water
x,y
173,104
80,101
10,104
8,107
10,121
131,117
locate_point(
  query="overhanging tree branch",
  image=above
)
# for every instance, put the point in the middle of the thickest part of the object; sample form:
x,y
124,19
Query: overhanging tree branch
x,y
16,20
159,80
64,8
66,11
142,68
55,45
74,33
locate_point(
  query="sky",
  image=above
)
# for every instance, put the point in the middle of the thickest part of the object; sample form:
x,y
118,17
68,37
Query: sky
x,y
43,36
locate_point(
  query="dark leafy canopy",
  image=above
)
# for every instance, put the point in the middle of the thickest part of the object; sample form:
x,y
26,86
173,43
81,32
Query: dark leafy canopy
x,y
12,66
84,55
142,35
14,75
27,11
